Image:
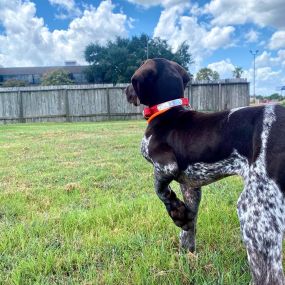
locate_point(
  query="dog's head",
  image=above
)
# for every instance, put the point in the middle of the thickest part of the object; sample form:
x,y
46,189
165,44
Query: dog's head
x,y
156,81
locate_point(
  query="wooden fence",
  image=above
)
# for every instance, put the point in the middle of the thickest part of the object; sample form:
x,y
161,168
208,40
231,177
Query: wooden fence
x,y
99,102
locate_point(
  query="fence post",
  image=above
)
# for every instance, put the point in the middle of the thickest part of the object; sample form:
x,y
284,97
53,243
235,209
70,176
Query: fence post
x,y
220,107
21,108
108,103
66,102
190,97
248,92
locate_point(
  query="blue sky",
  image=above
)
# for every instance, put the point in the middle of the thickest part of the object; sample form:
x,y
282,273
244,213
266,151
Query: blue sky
x,y
220,33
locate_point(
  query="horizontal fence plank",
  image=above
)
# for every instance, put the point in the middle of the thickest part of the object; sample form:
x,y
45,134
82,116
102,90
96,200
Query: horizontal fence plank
x,y
95,102
64,87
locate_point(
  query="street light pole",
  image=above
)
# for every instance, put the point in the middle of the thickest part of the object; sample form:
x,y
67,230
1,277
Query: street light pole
x,y
254,53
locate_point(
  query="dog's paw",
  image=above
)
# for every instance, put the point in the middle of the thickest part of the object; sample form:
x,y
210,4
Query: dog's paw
x,y
181,215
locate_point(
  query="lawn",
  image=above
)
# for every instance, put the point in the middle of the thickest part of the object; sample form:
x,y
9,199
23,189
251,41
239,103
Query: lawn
x,y
77,206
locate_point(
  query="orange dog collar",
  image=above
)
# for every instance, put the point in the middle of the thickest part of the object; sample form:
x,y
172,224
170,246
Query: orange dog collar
x,y
154,111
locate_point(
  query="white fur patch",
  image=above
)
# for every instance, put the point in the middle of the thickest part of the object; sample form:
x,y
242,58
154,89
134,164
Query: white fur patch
x,y
168,169
234,110
144,147
261,211
199,174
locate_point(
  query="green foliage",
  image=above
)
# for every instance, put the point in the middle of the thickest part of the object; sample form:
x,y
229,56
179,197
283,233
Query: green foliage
x,y
275,96
207,74
260,97
117,61
216,75
56,77
237,72
77,206
14,83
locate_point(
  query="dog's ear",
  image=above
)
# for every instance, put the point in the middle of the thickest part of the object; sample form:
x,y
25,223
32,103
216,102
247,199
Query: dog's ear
x,y
143,80
136,83
183,73
132,97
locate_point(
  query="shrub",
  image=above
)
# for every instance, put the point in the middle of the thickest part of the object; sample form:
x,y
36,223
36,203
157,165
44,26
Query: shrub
x,y
14,83
57,77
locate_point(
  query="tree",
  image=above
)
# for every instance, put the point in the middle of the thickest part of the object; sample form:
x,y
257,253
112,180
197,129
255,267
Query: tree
x,y
259,97
207,74
14,83
117,61
275,96
215,75
237,72
56,77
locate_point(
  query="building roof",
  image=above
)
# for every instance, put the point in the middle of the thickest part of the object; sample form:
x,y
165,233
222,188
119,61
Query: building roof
x,y
39,70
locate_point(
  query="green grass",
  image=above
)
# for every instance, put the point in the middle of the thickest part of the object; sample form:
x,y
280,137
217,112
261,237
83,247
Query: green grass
x,y
77,206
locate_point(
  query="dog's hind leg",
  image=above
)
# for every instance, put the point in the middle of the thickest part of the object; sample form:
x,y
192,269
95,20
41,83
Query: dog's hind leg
x,y
192,198
260,210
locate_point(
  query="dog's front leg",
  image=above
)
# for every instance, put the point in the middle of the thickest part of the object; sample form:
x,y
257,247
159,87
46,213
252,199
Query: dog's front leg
x,y
192,198
179,212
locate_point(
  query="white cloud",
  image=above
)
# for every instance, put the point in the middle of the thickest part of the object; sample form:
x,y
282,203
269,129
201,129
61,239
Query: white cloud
x,y
26,40
262,13
67,4
277,40
218,37
266,59
266,73
268,79
196,10
269,75
252,36
224,68
181,28
67,8
281,57
263,59
164,3
281,54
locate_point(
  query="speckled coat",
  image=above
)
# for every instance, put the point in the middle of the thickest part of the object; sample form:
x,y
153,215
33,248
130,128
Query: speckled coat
x,y
196,149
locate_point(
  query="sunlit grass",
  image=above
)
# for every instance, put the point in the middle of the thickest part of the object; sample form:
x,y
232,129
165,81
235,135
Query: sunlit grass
x,y
77,206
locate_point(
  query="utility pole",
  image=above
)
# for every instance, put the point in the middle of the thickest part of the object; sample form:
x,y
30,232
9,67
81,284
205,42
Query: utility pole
x,y
254,53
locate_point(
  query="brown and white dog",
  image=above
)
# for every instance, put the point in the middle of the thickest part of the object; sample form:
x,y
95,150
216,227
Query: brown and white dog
x,y
196,149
